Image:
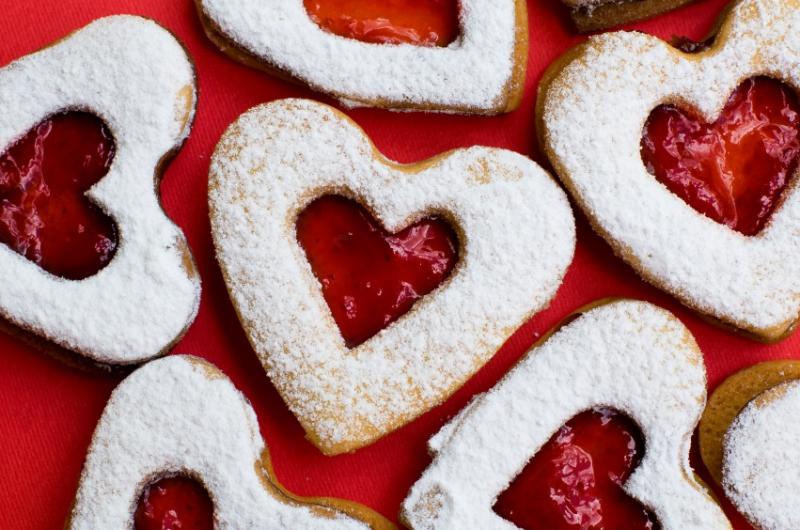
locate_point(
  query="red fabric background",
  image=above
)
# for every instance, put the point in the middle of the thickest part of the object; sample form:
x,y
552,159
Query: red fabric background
x,y
49,410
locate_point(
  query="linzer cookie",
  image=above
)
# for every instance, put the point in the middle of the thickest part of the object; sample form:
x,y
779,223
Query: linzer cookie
x,y
749,443
179,447
590,430
90,260
372,290
465,56
684,162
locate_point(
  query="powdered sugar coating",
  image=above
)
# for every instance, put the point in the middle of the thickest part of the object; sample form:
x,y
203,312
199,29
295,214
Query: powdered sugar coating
x,y
181,415
631,356
137,78
761,456
517,239
593,115
475,73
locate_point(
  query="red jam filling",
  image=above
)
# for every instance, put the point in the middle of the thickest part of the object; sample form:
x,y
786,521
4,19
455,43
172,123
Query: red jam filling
x,y
575,481
369,277
44,214
176,503
419,22
735,169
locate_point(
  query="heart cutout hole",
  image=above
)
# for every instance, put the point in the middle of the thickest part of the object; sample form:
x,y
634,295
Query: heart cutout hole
x,y
418,22
173,503
734,170
575,480
44,212
369,277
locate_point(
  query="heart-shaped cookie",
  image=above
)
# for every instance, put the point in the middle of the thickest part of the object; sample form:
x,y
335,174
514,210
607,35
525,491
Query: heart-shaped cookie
x,y
625,355
482,71
748,442
594,105
180,416
134,84
516,238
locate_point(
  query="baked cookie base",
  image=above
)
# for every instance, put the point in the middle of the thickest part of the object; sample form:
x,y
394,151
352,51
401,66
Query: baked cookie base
x,y
715,41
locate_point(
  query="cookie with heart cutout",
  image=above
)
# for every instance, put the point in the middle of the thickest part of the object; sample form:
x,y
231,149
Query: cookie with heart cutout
x,y
177,439
684,162
595,15
465,56
748,442
508,460
90,260
324,244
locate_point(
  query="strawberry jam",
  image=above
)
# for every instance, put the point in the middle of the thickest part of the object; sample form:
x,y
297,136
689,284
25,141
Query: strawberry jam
x,y
176,503
735,169
369,277
44,214
575,481
419,22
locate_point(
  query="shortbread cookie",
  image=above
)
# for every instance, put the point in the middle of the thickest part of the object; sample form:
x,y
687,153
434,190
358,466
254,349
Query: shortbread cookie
x,y
515,235
90,261
749,444
703,209
627,356
180,416
594,15
482,71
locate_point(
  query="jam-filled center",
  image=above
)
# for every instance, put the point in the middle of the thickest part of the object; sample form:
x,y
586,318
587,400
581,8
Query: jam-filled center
x,y
175,503
575,481
734,169
44,213
419,22
370,277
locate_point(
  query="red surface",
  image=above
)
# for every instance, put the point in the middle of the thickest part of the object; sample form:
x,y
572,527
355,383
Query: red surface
x,y
48,410
369,277
175,503
574,481
44,214
421,22
735,169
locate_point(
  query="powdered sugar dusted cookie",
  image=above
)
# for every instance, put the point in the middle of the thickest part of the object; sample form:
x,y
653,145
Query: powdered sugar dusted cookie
x,y
182,416
466,57
304,210
749,444
760,464
629,356
90,261
684,162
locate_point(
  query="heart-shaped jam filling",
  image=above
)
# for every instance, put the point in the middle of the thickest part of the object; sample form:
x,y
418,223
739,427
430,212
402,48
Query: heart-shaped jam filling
x,y
44,214
735,169
575,481
369,277
175,503
419,22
